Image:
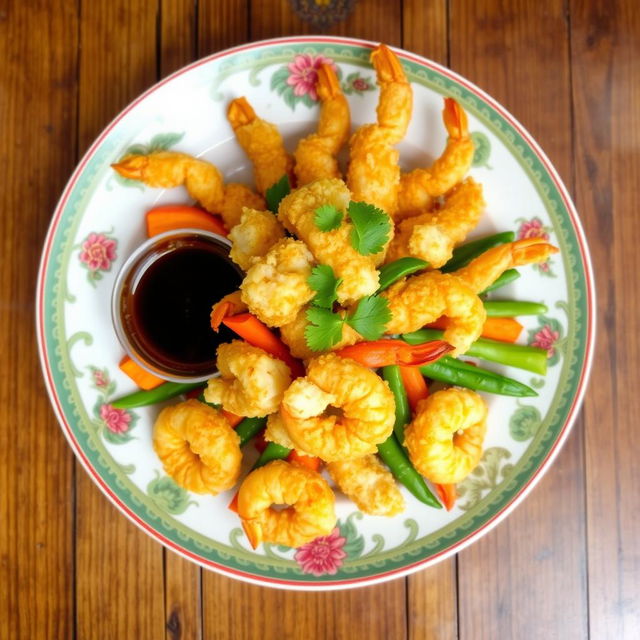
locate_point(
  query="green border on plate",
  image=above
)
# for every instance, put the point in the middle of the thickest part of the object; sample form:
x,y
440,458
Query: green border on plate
x,y
56,294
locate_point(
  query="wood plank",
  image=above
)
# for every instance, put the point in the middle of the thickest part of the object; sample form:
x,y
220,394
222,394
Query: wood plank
x,y
182,578
378,20
431,594
120,590
527,578
237,610
222,25
37,112
178,35
606,91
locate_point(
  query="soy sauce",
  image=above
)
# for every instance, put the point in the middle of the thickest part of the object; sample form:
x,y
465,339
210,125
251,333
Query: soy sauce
x,y
169,300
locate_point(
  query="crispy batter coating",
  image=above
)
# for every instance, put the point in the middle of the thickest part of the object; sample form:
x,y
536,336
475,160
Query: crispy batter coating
x,y
276,431
252,238
316,155
423,298
251,382
262,143
419,187
447,433
432,236
236,198
333,248
365,409
310,512
369,484
197,447
275,287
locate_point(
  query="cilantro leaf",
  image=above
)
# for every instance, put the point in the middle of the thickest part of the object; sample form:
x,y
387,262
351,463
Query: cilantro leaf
x,y
370,317
276,192
328,217
324,282
324,328
371,227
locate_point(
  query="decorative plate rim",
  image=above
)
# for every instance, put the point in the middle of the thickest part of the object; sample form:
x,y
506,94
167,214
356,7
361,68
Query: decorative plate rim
x,y
520,494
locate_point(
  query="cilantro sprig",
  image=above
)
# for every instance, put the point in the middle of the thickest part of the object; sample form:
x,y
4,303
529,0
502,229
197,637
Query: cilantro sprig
x,y
328,217
371,227
369,319
324,282
276,192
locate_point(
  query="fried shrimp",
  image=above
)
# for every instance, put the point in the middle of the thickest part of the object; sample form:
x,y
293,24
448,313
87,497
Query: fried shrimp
x,y
252,238
292,334
316,155
489,266
197,447
275,287
419,187
374,174
229,305
276,431
203,181
365,409
262,143
432,236
311,505
369,484
423,298
446,436
333,248
251,382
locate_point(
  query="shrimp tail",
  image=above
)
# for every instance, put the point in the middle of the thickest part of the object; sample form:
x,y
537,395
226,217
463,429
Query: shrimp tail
x,y
132,167
327,84
531,250
455,119
240,113
387,65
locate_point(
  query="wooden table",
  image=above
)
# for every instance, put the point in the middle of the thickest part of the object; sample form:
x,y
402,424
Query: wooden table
x,y
563,565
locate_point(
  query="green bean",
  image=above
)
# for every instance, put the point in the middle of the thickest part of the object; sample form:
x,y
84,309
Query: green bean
x,y
403,412
511,308
397,269
513,355
464,254
272,451
508,276
248,428
463,374
161,393
398,462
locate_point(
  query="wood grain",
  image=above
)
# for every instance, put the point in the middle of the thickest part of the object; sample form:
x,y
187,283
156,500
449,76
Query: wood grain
x,y
37,147
432,594
606,91
540,548
120,586
178,35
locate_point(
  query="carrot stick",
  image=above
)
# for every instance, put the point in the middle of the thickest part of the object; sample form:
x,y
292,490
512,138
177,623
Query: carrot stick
x,y
447,494
170,217
310,462
248,327
140,376
415,385
503,329
232,418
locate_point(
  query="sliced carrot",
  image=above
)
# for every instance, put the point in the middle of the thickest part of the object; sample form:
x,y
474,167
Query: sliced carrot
x,y
447,494
415,385
232,418
310,462
248,327
140,376
170,217
503,329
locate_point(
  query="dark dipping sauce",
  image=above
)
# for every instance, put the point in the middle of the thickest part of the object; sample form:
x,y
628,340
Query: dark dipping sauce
x,y
167,304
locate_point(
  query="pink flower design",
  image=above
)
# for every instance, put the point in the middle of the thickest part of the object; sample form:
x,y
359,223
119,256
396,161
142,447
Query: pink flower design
x,y
360,84
303,74
532,229
322,555
99,379
98,252
116,420
545,339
